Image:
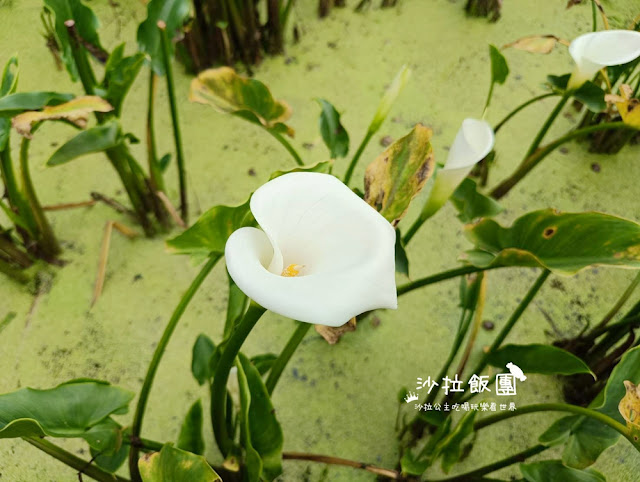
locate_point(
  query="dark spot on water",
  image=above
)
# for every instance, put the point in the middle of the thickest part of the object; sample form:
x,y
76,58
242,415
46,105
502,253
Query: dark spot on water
x,y
488,325
295,373
332,45
290,60
251,172
137,277
386,141
595,167
563,150
556,284
308,145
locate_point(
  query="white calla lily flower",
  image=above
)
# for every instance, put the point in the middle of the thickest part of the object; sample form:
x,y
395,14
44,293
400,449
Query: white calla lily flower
x,y
323,255
473,142
593,51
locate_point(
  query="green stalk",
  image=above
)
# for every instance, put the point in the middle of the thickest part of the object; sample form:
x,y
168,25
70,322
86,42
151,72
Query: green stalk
x,y
533,291
155,176
46,242
594,16
417,224
82,466
12,272
85,72
281,362
287,146
356,157
435,278
16,199
521,107
632,320
136,426
500,464
177,135
545,127
532,161
620,303
557,407
221,376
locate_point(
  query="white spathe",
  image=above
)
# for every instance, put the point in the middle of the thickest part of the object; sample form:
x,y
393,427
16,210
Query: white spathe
x,y
340,249
593,51
473,142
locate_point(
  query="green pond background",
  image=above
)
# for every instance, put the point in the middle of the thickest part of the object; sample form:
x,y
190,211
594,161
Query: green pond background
x,y
337,400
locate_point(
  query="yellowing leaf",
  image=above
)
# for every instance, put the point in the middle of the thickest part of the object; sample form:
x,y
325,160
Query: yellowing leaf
x,y
75,111
629,406
399,173
536,44
229,93
628,107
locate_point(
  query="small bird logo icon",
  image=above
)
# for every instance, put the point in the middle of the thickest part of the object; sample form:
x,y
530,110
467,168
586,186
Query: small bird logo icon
x,y
516,371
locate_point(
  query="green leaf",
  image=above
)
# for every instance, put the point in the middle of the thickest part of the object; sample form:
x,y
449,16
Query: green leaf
x,y
333,132
587,438
322,166
86,24
119,74
72,409
175,465
95,139
190,438
9,80
110,453
264,362
174,14
389,97
538,358
499,67
564,243
410,465
75,112
591,96
558,83
236,306
110,463
202,351
399,173
471,204
450,448
229,93
14,104
210,232
262,430
402,260
549,470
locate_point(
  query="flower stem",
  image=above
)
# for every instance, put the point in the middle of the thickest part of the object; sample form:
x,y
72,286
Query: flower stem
x,y
444,275
155,176
326,459
557,407
221,376
534,159
547,125
500,464
533,291
287,146
177,135
286,354
157,357
521,107
356,157
619,304
82,466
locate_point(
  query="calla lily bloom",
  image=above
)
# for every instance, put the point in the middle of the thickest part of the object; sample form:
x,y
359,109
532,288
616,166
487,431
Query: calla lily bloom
x,y
473,142
593,51
323,255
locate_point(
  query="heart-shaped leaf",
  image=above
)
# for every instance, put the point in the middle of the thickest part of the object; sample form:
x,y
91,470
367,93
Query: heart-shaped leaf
x,y
450,448
333,133
229,93
472,204
79,408
591,96
95,139
549,470
75,111
175,465
564,243
538,358
210,232
202,351
174,14
399,173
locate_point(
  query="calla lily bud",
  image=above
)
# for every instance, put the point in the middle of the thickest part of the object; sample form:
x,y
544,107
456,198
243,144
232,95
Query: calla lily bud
x,y
473,142
322,255
593,51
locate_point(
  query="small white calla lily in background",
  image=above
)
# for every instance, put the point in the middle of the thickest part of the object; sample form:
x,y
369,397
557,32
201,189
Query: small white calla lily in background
x,y
473,142
323,255
593,51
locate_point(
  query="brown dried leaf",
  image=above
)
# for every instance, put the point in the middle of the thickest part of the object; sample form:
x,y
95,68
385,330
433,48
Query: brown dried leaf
x,y
536,44
629,406
333,335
